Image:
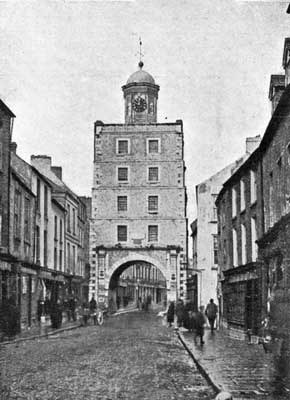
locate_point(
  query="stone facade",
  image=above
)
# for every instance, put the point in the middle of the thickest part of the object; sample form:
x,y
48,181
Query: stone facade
x,y
138,196
240,224
6,273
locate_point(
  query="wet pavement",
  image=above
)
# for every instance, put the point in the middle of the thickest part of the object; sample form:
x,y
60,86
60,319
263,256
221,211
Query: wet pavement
x,y
243,369
132,356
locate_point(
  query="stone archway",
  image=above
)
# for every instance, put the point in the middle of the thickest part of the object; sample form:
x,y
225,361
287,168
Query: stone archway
x,y
115,271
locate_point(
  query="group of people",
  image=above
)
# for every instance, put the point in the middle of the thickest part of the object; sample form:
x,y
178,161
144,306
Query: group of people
x,y
192,320
69,306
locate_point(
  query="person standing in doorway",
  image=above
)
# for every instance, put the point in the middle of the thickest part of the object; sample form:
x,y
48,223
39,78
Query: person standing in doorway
x,y
211,313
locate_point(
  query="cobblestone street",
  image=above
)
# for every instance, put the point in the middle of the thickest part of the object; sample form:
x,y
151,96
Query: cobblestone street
x,y
132,356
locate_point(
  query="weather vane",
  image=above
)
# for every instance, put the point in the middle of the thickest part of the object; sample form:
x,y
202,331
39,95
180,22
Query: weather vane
x,y
140,54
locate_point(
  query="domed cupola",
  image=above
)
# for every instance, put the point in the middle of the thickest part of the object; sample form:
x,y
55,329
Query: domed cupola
x,y
140,94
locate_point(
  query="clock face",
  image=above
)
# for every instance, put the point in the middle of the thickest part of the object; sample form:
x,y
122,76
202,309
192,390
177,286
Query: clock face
x,y
139,104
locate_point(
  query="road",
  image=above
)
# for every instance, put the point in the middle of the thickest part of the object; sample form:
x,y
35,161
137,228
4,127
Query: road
x,y
132,356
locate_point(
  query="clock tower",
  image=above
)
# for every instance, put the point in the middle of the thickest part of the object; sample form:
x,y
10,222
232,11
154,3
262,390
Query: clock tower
x,y
140,94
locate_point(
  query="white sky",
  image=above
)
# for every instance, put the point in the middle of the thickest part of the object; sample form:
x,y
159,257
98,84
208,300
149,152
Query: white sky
x,y
63,63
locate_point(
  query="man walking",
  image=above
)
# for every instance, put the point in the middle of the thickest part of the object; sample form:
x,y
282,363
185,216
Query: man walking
x,y
211,313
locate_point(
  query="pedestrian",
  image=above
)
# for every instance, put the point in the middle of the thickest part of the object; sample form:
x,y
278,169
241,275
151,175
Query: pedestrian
x,y
139,303
72,307
199,324
85,312
179,312
40,309
170,314
93,309
211,313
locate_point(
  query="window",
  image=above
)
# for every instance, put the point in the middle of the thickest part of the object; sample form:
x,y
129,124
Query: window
x,y
45,248
244,244
153,146
123,174
122,146
215,249
60,259
152,203
253,181
68,218
254,238
74,259
271,200
74,221
55,258
37,244
27,219
153,233
242,195
55,227
45,202
235,248
60,231
234,202
122,203
38,193
17,214
122,233
153,174
68,258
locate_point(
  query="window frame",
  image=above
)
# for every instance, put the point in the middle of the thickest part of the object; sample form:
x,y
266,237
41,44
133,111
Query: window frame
x,y
118,146
148,174
152,211
118,237
128,173
148,146
148,232
118,198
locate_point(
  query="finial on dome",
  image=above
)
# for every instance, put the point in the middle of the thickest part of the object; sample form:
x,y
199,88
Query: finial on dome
x,y
140,54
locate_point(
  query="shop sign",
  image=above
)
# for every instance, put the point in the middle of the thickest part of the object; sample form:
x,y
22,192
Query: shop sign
x,y
45,275
29,271
4,266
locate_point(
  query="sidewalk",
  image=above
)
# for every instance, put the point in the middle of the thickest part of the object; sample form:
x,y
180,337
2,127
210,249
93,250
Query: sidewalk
x,y
43,330
233,365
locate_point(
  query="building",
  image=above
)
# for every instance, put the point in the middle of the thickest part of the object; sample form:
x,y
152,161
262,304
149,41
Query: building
x,y
253,208
205,232
72,226
240,215
138,194
7,274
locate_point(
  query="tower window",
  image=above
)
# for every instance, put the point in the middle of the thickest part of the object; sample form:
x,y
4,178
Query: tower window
x,y
153,203
122,146
122,233
153,174
153,233
153,146
123,174
122,203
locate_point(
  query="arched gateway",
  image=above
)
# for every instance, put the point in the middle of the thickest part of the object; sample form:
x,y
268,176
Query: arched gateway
x,y
139,194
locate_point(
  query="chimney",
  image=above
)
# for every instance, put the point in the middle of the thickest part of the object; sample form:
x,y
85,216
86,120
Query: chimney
x,y
286,60
277,87
13,147
57,171
41,162
252,143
